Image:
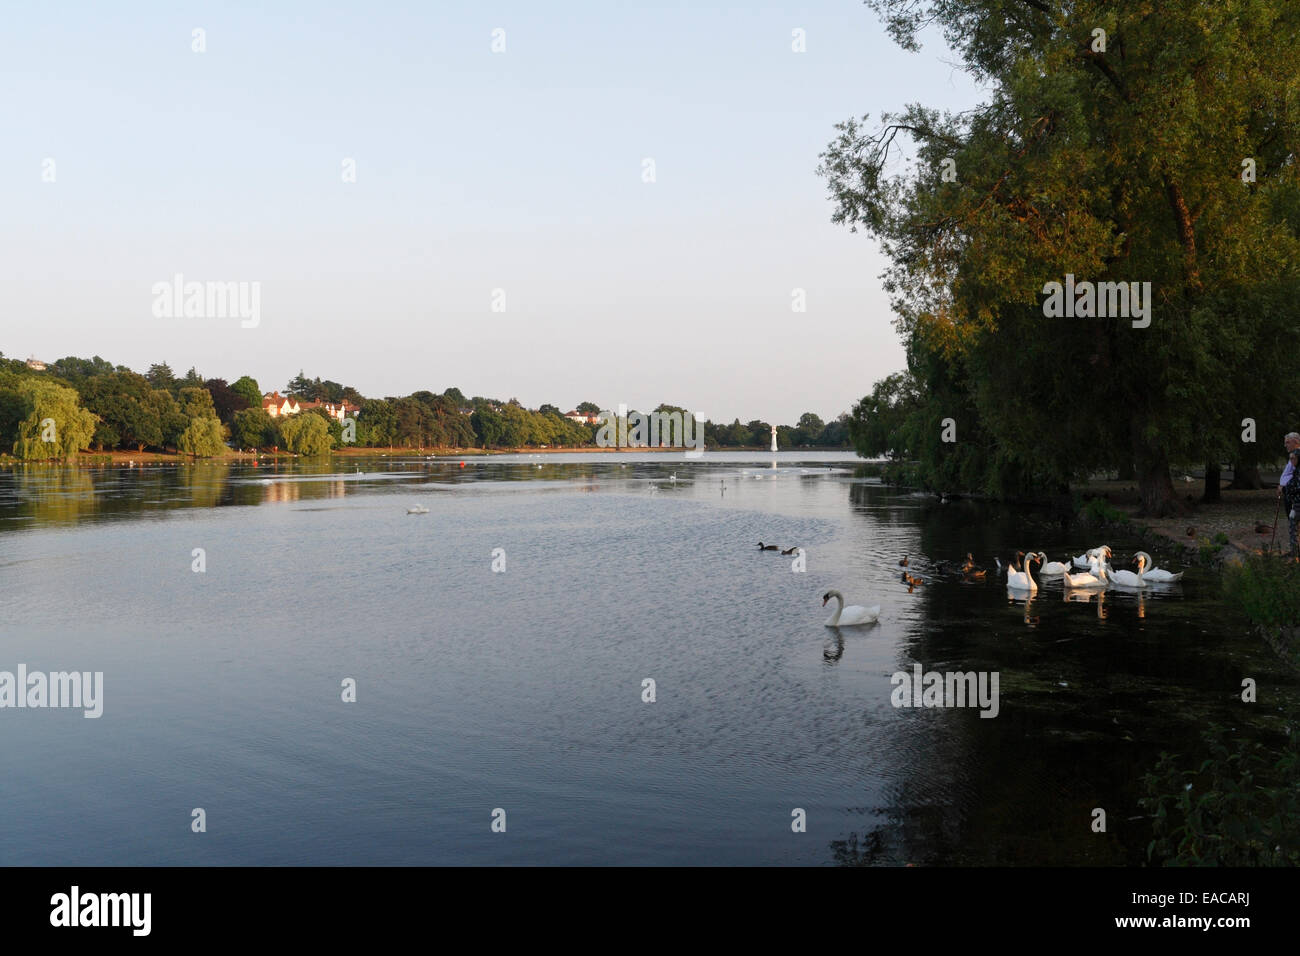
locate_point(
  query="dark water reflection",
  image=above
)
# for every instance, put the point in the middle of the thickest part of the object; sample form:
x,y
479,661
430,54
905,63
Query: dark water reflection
x,y
523,689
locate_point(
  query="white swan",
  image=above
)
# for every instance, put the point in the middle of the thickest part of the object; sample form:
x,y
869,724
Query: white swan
x,y
1085,560
1128,578
1095,578
853,614
417,510
1160,575
1051,568
1024,580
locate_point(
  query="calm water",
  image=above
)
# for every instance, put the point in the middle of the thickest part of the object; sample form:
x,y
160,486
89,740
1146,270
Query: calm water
x,y
522,689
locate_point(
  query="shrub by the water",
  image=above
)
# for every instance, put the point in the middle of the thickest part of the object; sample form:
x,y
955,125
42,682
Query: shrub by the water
x,y
1266,589
1100,511
1240,807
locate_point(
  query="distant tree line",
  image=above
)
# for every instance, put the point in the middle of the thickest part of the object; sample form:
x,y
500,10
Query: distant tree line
x,y
94,404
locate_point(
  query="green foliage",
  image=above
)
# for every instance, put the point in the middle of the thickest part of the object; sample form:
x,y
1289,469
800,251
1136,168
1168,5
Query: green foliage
x,y
1240,807
877,423
254,428
158,410
1266,588
247,388
1099,511
172,420
300,386
201,434
44,401
201,438
1123,166
334,426
225,400
376,423
192,379
127,416
161,376
77,370
307,435
489,427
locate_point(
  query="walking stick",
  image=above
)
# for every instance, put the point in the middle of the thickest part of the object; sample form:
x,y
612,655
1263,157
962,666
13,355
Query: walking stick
x,y
1276,511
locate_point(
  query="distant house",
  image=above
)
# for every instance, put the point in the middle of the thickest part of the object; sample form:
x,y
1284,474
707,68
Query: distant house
x,y
583,418
335,410
35,364
277,405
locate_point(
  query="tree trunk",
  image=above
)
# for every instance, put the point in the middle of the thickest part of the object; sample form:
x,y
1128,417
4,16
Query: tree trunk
x,y
1213,480
1155,488
1246,477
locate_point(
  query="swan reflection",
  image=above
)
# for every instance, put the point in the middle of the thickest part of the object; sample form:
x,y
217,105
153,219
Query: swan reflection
x,y
1085,596
1015,596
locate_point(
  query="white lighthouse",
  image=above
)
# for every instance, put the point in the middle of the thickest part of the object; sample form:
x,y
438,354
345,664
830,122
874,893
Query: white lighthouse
x,y
773,438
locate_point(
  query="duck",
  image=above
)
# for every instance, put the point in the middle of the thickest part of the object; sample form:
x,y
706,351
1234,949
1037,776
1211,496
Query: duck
x,y
794,550
1261,528
1159,575
1191,532
903,563
1024,580
913,580
768,547
853,614
417,510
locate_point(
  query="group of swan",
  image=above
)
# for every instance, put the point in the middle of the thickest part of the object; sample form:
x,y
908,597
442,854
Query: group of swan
x,y
1099,574
1020,577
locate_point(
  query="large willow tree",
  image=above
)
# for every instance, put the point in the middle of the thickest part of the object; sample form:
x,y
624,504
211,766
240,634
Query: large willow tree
x,y
1161,151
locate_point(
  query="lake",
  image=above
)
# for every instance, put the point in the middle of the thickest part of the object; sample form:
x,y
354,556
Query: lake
x,y
522,688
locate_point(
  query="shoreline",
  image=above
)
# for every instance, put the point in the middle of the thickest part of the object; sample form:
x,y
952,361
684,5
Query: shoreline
x,y
1209,533
101,458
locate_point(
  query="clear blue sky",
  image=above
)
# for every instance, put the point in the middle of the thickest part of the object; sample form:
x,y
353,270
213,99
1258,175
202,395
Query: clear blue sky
x,y
519,170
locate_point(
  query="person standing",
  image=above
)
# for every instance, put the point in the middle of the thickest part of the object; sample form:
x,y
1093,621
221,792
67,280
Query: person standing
x,y
1288,488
